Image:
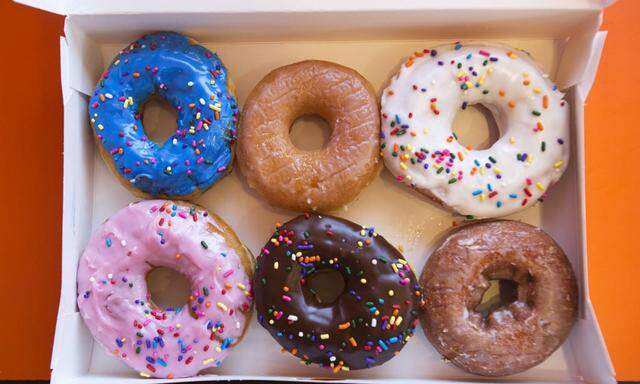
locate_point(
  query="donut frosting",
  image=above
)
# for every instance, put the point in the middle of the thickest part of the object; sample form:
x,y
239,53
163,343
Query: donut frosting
x,y
194,81
524,329
114,301
367,324
420,149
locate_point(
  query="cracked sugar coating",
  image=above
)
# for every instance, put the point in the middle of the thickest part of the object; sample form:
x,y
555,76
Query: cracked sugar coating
x,y
114,300
517,335
421,150
319,180
371,319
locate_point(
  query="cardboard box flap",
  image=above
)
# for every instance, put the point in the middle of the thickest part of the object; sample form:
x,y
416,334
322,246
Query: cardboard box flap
x,y
54,6
98,7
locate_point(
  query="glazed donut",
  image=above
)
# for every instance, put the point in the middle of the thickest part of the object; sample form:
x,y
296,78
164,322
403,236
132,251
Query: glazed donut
x,y
514,336
194,81
319,180
115,304
420,149
335,293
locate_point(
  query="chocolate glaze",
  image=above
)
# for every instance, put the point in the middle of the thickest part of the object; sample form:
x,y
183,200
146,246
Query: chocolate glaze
x,y
374,289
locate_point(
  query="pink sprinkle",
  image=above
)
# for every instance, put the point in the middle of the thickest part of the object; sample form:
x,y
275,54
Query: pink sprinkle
x,y
265,251
187,162
154,208
228,273
183,215
199,126
222,168
95,105
189,172
122,98
528,181
279,315
286,298
200,160
484,53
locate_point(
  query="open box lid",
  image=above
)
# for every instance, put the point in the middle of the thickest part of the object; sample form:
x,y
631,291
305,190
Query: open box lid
x,y
99,7
579,18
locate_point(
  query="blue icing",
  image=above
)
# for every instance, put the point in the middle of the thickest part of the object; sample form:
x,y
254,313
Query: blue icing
x,y
194,81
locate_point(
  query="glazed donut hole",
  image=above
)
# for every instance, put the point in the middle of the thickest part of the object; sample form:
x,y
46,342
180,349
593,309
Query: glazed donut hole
x,y
502,288
476,127
310,132
159,119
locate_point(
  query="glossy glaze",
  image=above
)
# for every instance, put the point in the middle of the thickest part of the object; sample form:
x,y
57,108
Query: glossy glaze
x,y
421,150
195,82
367,324
114,300
319,180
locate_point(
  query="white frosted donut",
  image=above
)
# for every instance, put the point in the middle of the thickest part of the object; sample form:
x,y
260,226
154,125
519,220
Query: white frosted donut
x,y
420,149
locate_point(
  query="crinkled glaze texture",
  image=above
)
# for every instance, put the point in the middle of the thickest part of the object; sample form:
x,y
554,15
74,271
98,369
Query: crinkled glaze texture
x,y
195,82
420,149
319,180
367,324
114,301
515,336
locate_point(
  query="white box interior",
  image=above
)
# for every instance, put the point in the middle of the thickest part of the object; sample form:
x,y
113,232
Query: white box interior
x,y
563,42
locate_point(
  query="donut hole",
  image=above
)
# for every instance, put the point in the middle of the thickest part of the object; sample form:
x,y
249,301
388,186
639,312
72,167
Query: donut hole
x,y
476,127
323,287
499,295
159,119
310,132
168,289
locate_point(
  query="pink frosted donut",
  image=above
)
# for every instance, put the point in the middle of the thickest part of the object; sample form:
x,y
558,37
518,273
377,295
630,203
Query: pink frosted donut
x,y
114,300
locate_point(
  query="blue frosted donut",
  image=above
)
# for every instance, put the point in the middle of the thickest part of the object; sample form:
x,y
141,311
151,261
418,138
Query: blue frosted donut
x,y
194,81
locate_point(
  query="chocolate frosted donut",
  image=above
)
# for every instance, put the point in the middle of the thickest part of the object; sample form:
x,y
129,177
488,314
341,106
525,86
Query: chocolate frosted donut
x,y
514,336
335,293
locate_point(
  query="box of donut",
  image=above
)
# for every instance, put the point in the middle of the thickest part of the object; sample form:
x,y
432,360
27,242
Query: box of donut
x,y
363,191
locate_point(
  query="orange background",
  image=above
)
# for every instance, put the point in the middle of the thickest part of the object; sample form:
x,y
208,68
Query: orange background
x,y
31,167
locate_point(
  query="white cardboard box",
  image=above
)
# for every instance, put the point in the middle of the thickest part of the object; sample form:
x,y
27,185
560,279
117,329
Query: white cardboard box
x,y
254,37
